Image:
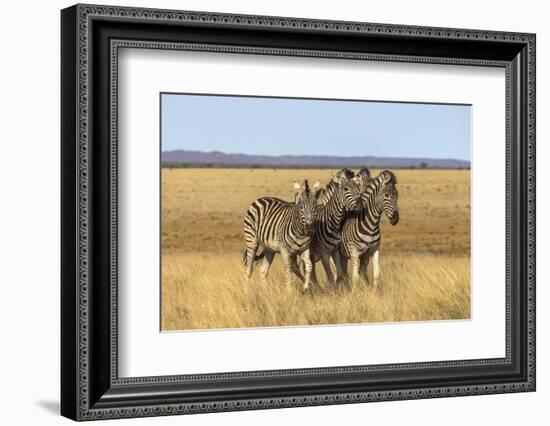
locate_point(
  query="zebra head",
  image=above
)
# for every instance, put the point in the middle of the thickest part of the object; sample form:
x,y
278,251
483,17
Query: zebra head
x,y
306,202
349,187
351,194
334,185
363,178
342,174
389,194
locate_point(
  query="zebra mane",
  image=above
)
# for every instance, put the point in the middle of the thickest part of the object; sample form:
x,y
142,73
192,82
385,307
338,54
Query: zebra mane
x,y
332,185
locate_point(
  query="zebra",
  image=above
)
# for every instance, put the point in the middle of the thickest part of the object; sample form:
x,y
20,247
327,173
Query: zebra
x,y
345,196
282,227
363,175
361,232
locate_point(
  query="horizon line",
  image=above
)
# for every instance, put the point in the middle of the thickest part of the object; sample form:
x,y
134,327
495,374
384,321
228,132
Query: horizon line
x,y
316,155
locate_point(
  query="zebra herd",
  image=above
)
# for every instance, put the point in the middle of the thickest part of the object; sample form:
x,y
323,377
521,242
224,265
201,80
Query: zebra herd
x,y
333,225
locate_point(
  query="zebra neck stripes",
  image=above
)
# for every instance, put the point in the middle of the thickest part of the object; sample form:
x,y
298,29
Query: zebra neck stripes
x,y
328,192
372,203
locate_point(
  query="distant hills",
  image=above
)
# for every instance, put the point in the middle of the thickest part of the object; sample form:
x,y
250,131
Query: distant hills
x,y
181,158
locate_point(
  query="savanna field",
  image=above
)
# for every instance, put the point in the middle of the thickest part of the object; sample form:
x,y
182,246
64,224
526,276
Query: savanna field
x,y
425,258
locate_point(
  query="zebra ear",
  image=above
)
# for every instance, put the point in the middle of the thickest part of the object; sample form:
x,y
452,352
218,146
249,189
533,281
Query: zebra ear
x,y
297,187
389,177
316,189
364,172
338,178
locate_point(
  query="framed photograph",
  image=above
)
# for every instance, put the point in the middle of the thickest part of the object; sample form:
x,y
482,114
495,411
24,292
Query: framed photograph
x,y
264,212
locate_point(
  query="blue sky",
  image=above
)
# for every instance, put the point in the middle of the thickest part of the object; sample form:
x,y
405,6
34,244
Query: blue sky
x,y
283,126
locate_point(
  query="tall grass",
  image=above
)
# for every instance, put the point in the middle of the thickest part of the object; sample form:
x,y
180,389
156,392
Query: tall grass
x,y
203,291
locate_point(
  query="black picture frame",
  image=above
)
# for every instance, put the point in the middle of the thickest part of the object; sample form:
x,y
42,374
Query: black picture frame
x,y
90,386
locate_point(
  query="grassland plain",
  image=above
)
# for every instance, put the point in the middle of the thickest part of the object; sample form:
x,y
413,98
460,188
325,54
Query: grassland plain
x,y
425,259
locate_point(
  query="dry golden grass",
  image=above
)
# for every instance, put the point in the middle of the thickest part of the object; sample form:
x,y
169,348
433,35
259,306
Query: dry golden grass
x,y
195,300
425,259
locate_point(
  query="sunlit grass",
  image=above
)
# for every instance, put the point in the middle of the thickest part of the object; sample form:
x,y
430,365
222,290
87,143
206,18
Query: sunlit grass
x,y
425,259
415,288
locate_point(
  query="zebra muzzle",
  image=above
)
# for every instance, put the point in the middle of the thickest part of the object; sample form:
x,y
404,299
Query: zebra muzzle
x,y
395,218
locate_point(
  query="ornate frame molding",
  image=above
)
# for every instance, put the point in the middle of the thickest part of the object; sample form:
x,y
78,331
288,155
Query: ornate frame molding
x,y
87,407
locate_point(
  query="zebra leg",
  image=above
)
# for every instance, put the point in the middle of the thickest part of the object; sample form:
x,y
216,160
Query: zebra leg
x,y
355,265
363,268
291,268
294,267
302,266
299,261
343,265
249,260
287,262
333,267
313,278
376,267
325,259
338,265
308,266
266,263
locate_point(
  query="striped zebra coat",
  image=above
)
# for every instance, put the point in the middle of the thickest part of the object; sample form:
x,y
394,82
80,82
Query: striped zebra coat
x,y
345,196
361,232
282,227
